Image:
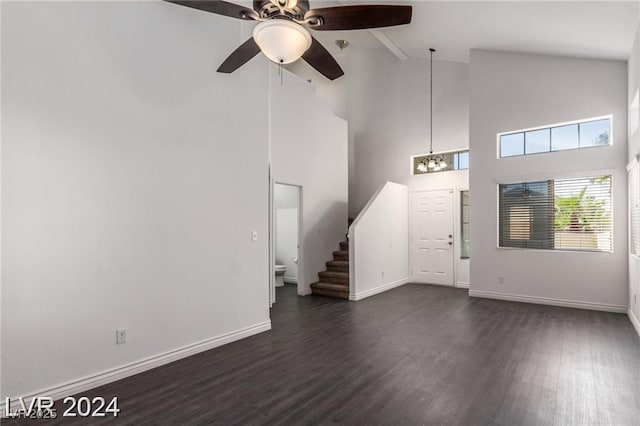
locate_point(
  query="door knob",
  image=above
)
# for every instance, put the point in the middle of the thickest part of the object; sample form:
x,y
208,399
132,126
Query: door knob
x,y
295,260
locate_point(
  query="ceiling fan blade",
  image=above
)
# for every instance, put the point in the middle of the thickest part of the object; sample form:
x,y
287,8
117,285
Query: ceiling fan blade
x,y
240,56
320,59
358,17
219,7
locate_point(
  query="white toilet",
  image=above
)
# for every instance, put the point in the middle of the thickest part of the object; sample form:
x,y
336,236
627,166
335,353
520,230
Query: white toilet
x,y
280,270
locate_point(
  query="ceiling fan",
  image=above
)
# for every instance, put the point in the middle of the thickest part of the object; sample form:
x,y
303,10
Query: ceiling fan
x,y
282,35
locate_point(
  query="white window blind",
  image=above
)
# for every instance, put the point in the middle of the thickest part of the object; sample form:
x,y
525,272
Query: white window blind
x,y
634,209
559,214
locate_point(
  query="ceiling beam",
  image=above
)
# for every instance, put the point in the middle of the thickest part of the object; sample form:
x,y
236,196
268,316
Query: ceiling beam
x,y
389,44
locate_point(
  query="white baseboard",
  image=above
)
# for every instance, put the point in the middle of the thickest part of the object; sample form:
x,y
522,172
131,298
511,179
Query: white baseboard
x,y
89,382
634,320
548,301
290,280
461,284
380,289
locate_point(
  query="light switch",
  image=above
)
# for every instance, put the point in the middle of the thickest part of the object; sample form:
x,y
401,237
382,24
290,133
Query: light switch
x,y
254,236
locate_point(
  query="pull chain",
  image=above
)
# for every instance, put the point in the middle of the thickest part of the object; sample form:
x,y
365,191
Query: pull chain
x,y
280,73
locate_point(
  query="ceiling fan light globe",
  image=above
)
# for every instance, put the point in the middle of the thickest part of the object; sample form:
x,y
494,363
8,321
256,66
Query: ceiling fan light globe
x,y
422,167
443,164
282,41
431,164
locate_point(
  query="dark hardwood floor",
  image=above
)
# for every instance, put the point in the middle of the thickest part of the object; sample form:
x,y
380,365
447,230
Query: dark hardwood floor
x,y
418,354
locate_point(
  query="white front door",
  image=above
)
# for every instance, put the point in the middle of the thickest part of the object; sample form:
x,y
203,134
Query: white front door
x,y
432,237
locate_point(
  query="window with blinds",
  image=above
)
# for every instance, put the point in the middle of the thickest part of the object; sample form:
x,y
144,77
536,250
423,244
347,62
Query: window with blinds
x,y
559,214
634,209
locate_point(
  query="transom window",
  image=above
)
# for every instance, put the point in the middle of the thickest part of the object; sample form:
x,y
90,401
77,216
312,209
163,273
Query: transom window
x,y
560,214
583,134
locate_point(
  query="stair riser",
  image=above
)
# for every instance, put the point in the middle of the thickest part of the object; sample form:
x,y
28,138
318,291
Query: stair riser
x,y
334,280
344,246
329,293
332,268
341,257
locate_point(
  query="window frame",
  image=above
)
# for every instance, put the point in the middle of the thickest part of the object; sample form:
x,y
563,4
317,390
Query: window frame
x,y
575,175
550,129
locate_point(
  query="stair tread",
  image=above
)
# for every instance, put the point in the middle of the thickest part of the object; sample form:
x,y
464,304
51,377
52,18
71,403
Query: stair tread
x,y
341,252
330,293
338,267
330,286
337,262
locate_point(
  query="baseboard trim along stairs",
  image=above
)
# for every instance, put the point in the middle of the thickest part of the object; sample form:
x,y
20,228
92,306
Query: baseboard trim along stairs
x,y
334,281
378,290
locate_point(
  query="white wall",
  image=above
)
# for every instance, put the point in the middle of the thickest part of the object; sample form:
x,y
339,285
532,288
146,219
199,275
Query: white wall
x,y
379,244
388,113
633,99
514,91
131,184
309,148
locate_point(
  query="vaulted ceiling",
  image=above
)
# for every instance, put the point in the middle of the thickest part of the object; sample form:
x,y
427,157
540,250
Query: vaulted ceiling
x,y
591,29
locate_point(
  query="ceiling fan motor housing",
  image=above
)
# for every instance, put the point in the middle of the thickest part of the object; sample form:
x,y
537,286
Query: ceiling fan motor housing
x,y
291,9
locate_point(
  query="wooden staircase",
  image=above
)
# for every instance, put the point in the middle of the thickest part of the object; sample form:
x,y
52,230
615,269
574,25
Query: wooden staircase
x,y
334,282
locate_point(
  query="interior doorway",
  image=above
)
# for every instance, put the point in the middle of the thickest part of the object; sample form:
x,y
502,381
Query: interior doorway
x,y
286,242
432,237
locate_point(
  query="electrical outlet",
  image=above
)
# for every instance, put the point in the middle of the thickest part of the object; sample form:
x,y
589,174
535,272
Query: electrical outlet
x,y
121,336
500,279
254,236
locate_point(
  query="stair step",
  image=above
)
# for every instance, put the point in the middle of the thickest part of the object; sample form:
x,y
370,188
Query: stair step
x,y
330,286
334,277
337,265
341,255
344,245
330,290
